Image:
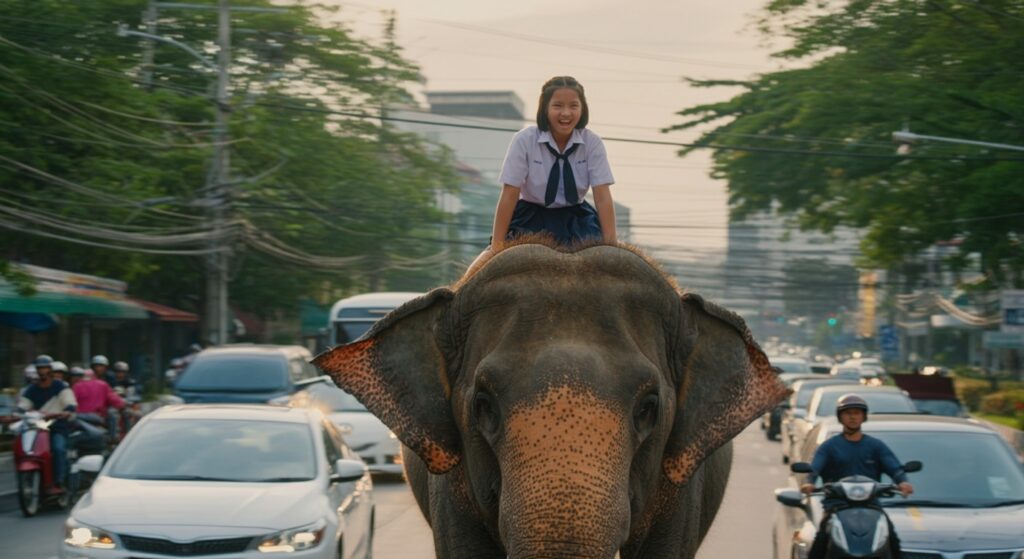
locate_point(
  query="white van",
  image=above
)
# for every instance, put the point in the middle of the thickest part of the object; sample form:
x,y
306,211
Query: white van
x,y
352,317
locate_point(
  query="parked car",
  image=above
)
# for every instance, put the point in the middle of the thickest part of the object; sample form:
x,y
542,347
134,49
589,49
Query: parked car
x,y
797,406
934,395
880,399
246,373
968,499
789,364
243,481
772,420
363,432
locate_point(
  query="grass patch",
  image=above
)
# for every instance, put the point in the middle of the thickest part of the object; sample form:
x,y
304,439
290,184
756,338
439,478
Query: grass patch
x,y
999,419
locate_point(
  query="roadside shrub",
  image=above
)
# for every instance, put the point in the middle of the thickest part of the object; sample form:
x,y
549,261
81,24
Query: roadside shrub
x,y
1004,402
971,391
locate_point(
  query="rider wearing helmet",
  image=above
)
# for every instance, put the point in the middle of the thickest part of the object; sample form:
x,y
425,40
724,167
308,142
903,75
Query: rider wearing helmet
x,y
122,381
55,399
99,365
60,371
848,454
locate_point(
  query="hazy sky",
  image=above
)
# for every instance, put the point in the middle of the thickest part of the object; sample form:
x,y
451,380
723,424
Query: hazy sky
x,y
631,57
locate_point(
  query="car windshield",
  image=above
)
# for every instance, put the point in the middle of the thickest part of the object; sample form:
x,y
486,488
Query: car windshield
x,y
218,450
806,391
878,402
949,408
960,469
236,373
328,397
792,366
349,331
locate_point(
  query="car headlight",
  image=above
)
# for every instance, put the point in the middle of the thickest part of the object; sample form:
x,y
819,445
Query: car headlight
x,y
77,534
296,539
881,534
838,534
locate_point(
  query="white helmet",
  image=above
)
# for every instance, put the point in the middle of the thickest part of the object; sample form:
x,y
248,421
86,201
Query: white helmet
x,y
30,373
59,366
99,360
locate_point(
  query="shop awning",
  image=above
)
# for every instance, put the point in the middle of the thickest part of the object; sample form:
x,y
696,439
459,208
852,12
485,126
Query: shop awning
x,y
47,302
164,313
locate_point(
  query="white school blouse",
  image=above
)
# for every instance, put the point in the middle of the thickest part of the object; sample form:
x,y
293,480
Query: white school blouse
x,y
528,164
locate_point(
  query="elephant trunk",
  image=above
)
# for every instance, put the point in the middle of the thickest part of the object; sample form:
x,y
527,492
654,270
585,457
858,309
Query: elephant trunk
x,y
565,472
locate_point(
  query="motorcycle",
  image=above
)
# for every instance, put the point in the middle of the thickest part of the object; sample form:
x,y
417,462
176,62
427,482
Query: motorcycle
x,y
33,465
858,527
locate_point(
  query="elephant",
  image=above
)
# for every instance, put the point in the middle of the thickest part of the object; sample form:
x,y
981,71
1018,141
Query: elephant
x,y
559,402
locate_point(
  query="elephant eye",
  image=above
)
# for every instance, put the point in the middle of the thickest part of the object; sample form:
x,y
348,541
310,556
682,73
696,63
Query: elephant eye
x,y
486,413
646,414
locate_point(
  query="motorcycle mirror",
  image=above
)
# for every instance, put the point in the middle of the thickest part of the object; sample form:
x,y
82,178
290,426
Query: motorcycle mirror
x,y
91,463
789,497
800,468
912,466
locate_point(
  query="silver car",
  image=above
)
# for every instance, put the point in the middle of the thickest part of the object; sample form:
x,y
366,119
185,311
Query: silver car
x,y
242,481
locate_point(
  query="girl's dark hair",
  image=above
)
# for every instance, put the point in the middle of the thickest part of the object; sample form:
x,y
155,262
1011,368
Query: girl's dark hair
x,y
548,89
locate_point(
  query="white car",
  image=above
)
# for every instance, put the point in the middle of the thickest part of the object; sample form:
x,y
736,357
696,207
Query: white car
x,y
239,481
365,434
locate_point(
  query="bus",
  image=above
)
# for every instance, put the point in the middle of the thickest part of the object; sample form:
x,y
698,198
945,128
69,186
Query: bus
x,y
352,317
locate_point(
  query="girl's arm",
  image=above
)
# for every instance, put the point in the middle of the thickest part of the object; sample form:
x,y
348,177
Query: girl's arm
x,y
605,212
503,215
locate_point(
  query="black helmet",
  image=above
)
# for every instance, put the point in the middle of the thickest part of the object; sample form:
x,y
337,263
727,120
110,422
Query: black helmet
x,y
851,402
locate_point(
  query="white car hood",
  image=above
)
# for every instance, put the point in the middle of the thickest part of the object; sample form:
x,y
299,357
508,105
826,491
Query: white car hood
x,y
185,510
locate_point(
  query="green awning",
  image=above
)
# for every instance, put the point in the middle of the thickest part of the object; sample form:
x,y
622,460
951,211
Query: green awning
x,y
67,303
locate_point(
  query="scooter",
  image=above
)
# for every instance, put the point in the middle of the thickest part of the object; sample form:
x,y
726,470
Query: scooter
x,y
33,464
858,527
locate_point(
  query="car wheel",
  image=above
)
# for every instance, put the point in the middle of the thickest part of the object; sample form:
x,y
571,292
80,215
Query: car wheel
x,y
29,492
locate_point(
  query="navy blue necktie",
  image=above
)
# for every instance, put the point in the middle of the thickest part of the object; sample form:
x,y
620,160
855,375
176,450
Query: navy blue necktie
x,y
571,196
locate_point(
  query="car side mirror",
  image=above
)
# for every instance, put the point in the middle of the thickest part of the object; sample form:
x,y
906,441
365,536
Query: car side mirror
x,y
348,470
912,466
91,463
789,497
800,468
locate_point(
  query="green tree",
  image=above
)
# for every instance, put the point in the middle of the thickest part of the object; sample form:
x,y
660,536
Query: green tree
x,y
817,138
98,150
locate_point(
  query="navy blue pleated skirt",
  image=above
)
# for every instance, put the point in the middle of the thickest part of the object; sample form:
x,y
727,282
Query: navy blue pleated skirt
x,y
568,225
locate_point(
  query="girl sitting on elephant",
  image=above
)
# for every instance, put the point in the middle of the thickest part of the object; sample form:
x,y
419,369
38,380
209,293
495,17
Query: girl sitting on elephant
x,y
548,170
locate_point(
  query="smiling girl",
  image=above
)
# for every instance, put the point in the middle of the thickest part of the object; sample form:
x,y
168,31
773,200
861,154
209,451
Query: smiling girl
x,y
548,170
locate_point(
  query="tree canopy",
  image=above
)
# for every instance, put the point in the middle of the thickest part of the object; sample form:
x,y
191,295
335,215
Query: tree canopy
x,y
816,140
105,160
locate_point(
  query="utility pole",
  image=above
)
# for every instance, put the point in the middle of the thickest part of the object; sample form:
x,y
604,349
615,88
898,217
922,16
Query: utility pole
x,y
217,262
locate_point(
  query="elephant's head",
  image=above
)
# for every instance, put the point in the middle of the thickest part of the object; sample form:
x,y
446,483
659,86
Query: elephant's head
x,y
569,386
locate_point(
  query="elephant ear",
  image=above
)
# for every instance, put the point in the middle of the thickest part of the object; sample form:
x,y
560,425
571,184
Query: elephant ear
x,y
726,382
397,370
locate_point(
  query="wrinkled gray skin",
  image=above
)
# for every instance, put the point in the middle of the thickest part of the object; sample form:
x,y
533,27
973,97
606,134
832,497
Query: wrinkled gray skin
x,y
562,405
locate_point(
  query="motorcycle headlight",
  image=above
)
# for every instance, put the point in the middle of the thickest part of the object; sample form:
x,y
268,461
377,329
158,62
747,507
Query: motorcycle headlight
x,y
296,539
838,534
881,534
77,534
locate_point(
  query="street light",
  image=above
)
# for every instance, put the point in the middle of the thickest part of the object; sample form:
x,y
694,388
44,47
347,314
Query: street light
x,y
123,31
906,137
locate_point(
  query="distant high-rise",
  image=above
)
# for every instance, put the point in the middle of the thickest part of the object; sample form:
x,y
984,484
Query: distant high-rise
x,y
505,105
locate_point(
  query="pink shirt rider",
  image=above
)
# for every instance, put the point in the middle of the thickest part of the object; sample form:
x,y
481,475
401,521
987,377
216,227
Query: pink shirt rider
x,y
95,396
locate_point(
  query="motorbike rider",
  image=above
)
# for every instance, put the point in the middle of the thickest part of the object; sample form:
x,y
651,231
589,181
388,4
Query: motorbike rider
x,y
123,383
848,454
99,365
54,399
31,378
60,371
172,374
94,396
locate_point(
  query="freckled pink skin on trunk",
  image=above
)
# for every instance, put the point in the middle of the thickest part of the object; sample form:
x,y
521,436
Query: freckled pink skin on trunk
x,y
563,490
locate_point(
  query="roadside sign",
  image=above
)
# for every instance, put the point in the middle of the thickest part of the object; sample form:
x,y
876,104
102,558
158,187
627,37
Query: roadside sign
x,y
1012,310
1002,340
888,342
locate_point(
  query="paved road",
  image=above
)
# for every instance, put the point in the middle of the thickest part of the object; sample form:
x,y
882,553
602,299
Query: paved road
x,y
743,527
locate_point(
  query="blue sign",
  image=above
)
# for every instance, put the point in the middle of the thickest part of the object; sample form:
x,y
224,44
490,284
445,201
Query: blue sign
x,y
888,342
